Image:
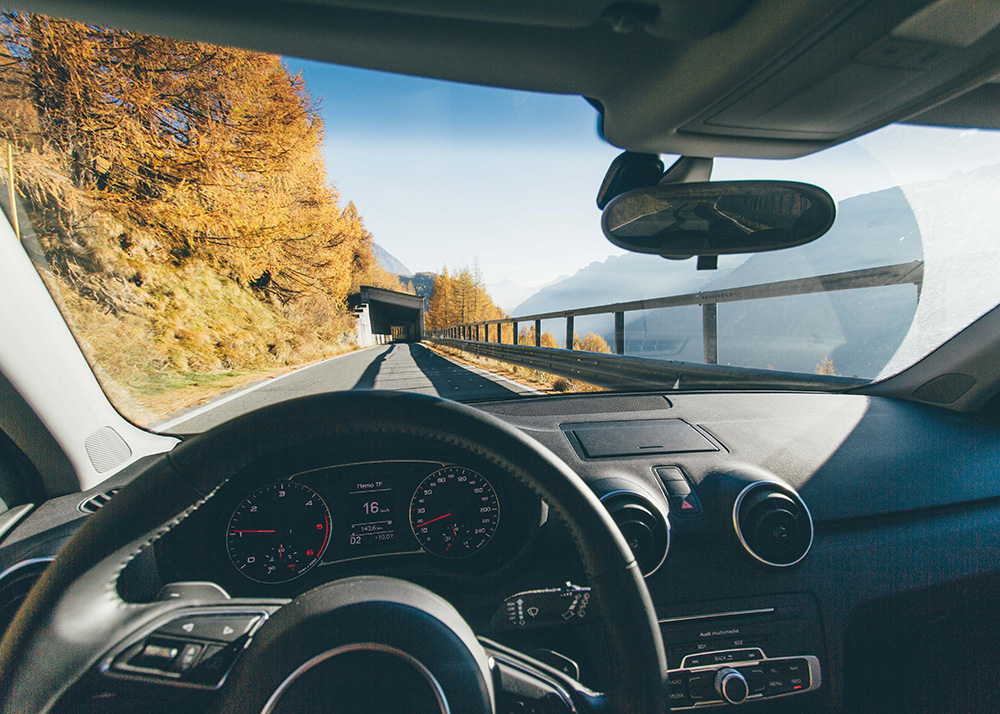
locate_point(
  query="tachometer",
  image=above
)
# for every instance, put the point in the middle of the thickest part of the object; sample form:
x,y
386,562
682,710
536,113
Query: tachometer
x,y
454,512
278,532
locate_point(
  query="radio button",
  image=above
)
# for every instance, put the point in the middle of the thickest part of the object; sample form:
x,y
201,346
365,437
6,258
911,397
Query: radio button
x,y
701,686
677,692
776,679
755,679
729,657
798,675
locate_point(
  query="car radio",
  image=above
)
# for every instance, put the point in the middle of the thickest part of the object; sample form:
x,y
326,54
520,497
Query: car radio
x,y
735,652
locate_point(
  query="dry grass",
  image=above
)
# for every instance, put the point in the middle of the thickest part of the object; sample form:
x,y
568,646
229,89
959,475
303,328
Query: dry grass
x,y
189,335
542,381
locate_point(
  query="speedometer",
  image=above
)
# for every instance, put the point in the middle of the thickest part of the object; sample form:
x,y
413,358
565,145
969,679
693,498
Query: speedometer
x,y
278,533
454,512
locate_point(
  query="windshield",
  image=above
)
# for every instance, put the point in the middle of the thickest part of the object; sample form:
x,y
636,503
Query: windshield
x,y
223,229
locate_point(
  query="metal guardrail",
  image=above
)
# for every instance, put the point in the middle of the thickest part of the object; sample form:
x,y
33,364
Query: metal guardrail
x,y
622,371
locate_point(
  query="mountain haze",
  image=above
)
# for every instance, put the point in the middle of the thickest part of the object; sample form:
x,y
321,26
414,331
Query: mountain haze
x,y
389,262
858,330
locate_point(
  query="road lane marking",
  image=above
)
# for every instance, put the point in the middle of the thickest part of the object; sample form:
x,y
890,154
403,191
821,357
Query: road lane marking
x,y
243,392
522,388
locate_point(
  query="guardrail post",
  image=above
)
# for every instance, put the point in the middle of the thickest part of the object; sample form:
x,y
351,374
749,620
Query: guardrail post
x,y
569,332
513,326
477,333
710,331
499,333
619,333
538,333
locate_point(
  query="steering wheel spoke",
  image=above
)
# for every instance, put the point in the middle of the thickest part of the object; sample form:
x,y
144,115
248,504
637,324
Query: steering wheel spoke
x,y
193,646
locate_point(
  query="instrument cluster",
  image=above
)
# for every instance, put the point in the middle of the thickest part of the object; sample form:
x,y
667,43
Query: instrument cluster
x,y
441,517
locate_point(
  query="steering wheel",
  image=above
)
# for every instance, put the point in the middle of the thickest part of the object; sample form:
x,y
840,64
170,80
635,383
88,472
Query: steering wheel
x,y
393,631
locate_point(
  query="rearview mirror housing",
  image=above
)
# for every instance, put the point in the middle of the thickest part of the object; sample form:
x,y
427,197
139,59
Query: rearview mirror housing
x,y
718,217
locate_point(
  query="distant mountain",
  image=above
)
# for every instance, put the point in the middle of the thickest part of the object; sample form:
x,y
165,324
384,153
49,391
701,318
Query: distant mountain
x,y
423,283
388,261
858,330
507,294
632,276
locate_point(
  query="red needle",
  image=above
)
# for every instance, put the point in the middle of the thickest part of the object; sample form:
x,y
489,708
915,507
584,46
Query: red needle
x,y
253,531
434,519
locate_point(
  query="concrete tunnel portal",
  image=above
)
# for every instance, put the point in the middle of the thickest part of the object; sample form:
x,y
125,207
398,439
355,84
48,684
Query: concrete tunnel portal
x,y
385,316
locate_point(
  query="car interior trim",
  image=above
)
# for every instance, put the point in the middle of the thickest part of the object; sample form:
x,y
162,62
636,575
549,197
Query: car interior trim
x,y
24,564
359,647
718,615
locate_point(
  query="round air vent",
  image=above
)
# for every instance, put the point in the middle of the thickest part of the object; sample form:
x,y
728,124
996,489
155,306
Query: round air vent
x,y
773,523
644,526
15,583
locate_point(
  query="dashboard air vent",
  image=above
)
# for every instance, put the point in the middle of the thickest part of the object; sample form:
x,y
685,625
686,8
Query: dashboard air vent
x,y
773,523
15,583
644,526
97,501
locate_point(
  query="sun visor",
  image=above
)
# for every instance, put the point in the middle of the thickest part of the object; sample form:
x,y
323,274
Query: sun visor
x,y
867,71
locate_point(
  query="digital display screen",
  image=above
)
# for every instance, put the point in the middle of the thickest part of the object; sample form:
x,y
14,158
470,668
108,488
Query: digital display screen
x,y
369,516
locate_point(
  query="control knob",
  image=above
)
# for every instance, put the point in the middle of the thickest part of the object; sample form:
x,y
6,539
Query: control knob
x,y
731,685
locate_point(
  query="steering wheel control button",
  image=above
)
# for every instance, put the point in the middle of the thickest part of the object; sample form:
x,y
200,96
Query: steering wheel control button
x,y
160,656
543,608
731,685
215,664
187,657
218,628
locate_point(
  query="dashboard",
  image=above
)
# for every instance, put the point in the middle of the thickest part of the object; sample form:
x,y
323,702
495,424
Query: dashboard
x,y
279,531
800,540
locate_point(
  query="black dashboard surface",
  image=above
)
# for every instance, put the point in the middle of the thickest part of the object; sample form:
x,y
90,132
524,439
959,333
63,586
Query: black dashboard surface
x,y
905,498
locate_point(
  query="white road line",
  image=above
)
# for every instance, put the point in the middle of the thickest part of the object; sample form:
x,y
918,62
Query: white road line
x,y
243,392
497,377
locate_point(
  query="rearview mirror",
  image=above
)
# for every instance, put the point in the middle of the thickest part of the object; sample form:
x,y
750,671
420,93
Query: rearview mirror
x,y
716,218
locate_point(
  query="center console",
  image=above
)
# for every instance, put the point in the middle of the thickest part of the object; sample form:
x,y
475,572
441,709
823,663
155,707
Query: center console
x,y
730,652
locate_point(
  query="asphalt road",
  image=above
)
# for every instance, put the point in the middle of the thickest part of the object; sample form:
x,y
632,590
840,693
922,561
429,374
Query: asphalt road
x,y
409,367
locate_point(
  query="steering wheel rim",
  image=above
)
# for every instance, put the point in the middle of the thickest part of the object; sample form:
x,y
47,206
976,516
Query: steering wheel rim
x,y
74,614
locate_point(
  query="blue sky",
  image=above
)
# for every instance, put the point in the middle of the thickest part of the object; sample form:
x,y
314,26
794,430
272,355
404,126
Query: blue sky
x,y
453,174
456,174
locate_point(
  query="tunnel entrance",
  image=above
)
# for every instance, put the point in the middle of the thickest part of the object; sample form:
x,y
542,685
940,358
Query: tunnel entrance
x,y
387,316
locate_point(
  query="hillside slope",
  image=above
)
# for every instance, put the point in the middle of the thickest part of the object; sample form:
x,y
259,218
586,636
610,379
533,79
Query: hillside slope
x,y
181,206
